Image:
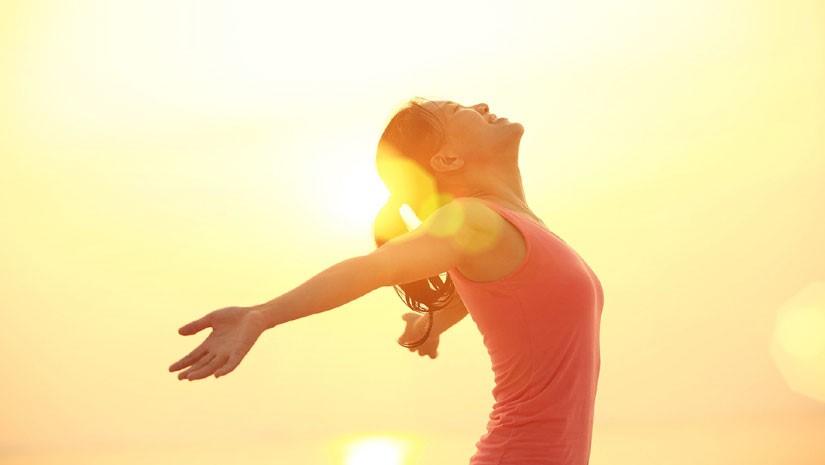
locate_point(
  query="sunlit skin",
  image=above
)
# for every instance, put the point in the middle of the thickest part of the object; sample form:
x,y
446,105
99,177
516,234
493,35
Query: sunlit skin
x,y
414,330
480,154
478,160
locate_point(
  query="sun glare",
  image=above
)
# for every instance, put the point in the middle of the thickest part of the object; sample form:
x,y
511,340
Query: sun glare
x,y
409,217
350,193
797,346
376,451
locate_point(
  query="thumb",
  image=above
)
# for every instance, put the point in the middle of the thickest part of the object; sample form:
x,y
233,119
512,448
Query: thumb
x,y
195,326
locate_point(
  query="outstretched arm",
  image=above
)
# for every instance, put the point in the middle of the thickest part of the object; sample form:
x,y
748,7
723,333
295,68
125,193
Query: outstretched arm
x,y
427,251
439,244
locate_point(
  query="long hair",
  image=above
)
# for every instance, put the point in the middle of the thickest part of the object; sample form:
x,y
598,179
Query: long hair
x,y
411,137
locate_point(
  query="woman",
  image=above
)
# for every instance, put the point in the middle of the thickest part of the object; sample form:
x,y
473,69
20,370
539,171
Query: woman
x,y
536,303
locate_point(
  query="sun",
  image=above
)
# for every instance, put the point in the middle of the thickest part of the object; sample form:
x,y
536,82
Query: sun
x,y
358,195
374,448
346,192
375,451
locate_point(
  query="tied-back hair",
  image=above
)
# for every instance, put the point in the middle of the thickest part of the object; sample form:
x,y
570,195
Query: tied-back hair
x,y
411,137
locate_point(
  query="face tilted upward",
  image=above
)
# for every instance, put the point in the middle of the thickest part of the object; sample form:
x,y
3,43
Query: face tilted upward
x,y
474,133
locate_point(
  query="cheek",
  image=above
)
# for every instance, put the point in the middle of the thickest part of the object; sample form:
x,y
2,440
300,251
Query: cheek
x,y
470,120
471,132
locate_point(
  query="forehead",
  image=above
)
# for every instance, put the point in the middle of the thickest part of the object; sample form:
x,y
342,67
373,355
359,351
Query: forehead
x,y
438,106
443,104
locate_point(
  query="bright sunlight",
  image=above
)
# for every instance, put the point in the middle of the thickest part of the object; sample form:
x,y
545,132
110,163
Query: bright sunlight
x,y
345,188
376,451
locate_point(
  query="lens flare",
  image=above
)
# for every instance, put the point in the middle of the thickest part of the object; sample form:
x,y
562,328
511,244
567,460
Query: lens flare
x,y
798,345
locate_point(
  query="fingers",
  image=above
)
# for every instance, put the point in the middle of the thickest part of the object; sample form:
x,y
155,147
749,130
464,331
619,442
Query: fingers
x,y
425,349
203,361
193,357
195,326
432,353
206,364
208,368
230,365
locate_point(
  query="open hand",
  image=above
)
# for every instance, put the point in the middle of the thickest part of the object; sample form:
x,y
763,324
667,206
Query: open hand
x,y
234,331
415,330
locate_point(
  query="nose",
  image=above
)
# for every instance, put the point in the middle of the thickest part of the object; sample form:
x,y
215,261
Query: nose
x,y
482,108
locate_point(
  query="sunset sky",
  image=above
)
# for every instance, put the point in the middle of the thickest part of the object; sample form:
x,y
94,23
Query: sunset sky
x,y
163,159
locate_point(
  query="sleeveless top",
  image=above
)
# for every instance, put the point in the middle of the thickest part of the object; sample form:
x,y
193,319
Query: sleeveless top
x,y
540,325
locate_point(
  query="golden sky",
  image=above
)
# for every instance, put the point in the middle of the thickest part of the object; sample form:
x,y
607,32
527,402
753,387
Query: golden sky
x,y
162,159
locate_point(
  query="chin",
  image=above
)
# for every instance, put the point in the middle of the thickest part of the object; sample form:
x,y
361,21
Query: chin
x,y
517,128
513,140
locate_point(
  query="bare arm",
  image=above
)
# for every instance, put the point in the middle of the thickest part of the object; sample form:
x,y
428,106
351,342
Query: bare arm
x,y
448,316
426,251
439,244
340,283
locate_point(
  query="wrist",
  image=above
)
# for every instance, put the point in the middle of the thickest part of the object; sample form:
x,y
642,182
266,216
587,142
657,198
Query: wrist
x,y
267,314
421,325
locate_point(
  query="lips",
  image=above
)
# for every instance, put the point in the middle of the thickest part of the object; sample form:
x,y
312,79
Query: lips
x,y
493,118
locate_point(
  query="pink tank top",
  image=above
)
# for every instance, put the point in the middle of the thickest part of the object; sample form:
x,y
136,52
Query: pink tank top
x,y
540,325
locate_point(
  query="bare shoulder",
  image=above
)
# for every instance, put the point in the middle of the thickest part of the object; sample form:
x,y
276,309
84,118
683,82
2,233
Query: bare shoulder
x,y
468,223
477,215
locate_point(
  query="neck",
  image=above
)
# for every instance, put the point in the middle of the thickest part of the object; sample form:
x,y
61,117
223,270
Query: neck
x,y
496,185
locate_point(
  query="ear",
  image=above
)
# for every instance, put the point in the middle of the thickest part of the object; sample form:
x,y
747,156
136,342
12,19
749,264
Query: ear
x,y
445,161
